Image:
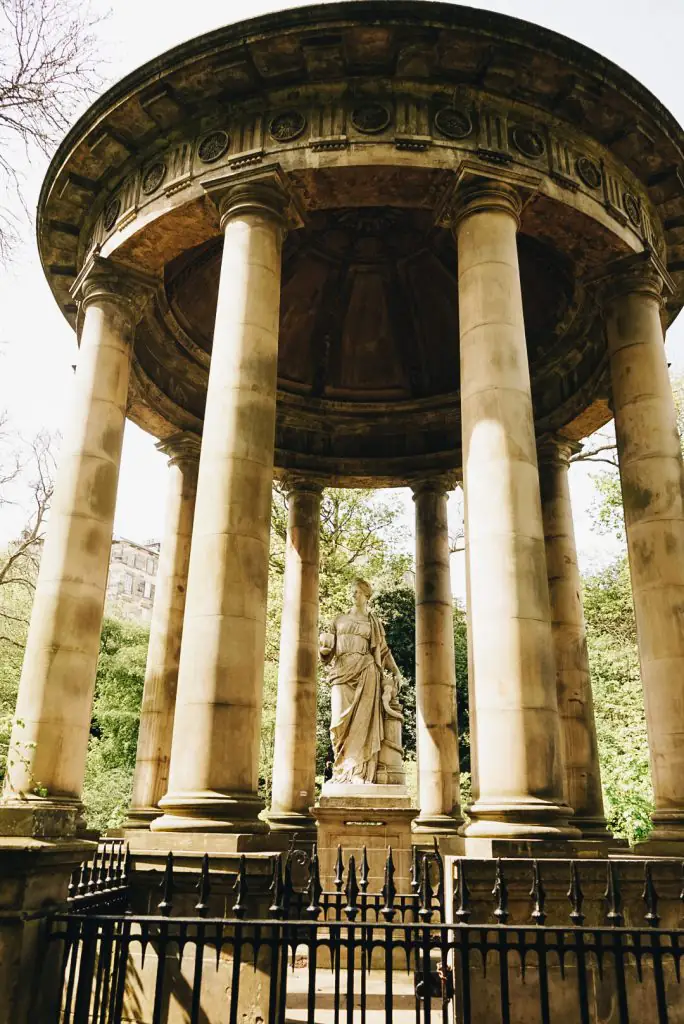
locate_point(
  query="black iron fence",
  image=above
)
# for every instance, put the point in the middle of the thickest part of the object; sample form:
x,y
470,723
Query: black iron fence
x,y
344,954
104,881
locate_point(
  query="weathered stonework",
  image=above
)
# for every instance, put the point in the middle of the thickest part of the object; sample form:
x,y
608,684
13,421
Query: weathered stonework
x,y
374,243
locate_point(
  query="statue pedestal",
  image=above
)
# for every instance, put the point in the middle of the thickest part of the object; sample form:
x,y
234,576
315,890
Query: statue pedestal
x,y
374,816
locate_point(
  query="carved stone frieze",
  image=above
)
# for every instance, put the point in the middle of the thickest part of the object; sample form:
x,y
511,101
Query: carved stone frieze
x,y
213,146
528,142
287,126
498,132
111,213
371,118
453,123
153,177
589,172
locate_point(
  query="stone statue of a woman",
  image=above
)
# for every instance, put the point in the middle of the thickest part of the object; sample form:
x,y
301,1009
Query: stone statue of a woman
x,y
364,701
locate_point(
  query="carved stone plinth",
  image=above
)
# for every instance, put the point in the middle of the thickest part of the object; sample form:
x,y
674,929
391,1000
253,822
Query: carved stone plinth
x,y
34,875
373,816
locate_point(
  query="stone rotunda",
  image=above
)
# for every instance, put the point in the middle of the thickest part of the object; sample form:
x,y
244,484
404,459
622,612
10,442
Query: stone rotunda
x,y
363,244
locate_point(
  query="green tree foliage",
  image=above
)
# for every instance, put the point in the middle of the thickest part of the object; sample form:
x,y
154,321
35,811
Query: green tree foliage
x,y
116,716
618,701
614,660
268,715
606,508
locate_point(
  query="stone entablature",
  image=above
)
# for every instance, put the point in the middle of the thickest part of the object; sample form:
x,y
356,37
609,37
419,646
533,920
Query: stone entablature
x,y
381,118
366,113
286,87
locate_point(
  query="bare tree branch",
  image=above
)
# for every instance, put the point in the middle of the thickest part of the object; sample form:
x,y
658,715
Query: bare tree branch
x,y
48,70
31,468
594,454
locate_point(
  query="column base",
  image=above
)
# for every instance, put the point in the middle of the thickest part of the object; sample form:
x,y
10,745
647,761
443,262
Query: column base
x,y
525,819
303,825
667,837
594,828
437,825
668,826
42,817
210,812
140,817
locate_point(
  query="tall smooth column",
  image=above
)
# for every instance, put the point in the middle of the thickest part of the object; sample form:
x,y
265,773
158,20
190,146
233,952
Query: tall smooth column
x,y
50,736
151,777
519,769
651,475
436,722
213,777
294,758
573,680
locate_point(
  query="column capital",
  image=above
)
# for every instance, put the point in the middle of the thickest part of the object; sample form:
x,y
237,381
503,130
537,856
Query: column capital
x,y
182,447
477,186
440,483
639,273
297,483
265,190
554,449
485,195
103,278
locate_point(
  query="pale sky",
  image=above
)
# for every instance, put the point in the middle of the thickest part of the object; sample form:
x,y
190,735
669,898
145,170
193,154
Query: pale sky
x,y
38,348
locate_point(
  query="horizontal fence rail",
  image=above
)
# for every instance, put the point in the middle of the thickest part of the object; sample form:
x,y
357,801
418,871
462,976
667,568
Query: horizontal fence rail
x,y
103,958
348,955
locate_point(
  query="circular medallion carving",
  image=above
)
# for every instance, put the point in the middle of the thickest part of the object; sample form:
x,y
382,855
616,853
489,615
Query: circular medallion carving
x,y
453,123
528,142
287,126
153,177
589,171
111,214
370,118
213,146
632,208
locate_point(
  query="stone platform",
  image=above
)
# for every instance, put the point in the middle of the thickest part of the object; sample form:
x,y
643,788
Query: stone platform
x,y
374,816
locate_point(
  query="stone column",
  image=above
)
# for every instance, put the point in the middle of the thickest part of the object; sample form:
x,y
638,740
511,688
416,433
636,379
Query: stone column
x,y
436,723
294,759
213,775
151,776
573,681
651,475
46,760
519,770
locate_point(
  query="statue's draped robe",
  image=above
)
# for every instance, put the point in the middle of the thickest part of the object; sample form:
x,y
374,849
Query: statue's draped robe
x,y
356,729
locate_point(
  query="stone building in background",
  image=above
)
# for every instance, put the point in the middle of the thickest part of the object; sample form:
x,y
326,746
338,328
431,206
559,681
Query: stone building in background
x,y
131,580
